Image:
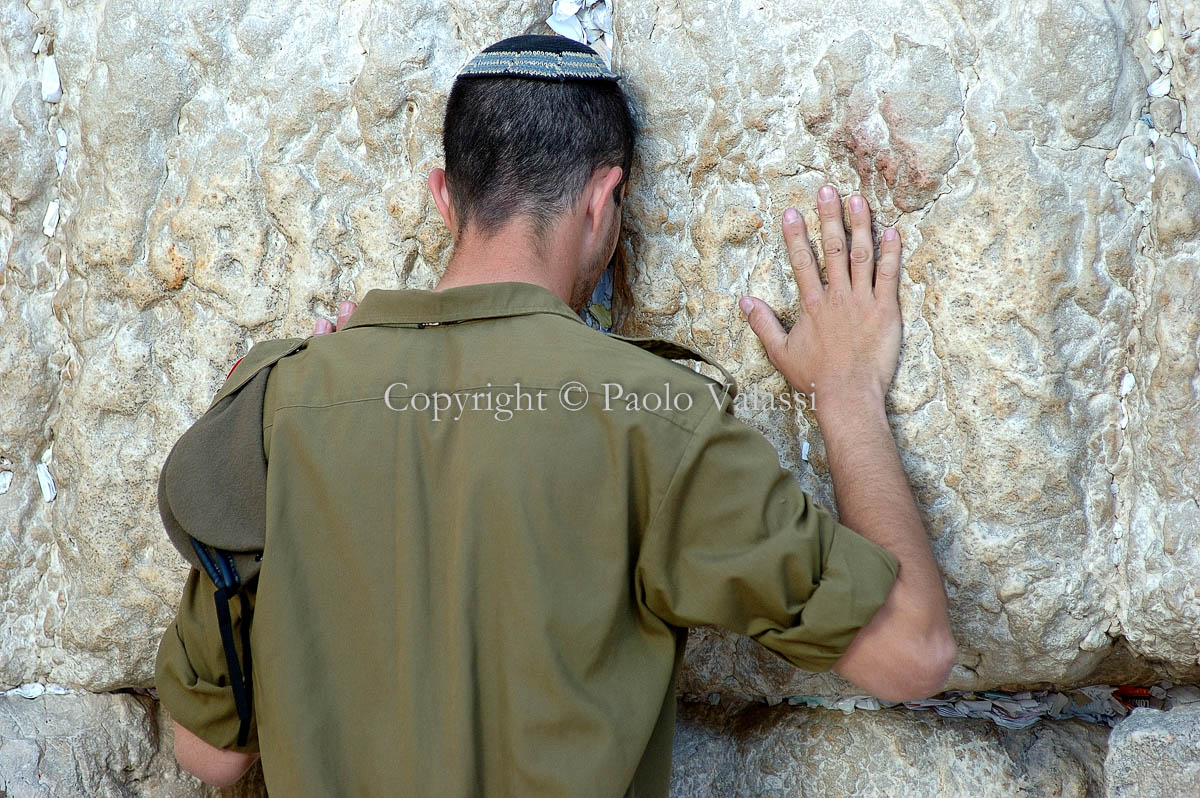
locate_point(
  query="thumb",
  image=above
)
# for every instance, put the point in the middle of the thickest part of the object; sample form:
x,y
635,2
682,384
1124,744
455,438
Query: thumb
x,y
765,325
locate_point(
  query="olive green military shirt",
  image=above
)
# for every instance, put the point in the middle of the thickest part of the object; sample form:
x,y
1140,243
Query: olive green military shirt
x,y
481,557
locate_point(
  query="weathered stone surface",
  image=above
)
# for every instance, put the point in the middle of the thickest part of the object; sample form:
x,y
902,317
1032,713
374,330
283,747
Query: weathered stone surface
x,y
233,170
1155,754
1046,402
121,745
32,347
1158,538
246,167
1180,21
784,751
98,746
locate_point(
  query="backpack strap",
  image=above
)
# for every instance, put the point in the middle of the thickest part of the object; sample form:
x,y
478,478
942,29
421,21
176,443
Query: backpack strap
x,y
220,569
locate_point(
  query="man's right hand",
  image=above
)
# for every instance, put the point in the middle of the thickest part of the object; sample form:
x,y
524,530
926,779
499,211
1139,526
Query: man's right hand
x,y
844,346
846,339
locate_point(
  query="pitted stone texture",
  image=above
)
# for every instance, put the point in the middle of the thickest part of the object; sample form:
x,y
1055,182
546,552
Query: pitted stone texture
x,y
33,351
1160,542
1075,92
785,751
233,170
121,745
248,166
1180,21
100,746
1016,174
893,117
1155,754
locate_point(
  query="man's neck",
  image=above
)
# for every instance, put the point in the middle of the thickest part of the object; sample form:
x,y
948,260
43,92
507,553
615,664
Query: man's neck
x,y
510,255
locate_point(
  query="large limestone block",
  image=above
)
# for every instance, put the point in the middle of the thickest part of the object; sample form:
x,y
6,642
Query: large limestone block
x,y
1159,543
98,746
1155,754
122,744
756,751
1049,433
232,171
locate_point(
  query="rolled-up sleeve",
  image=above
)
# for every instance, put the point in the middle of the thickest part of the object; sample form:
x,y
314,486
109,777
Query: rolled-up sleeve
x,y
190,671
736,543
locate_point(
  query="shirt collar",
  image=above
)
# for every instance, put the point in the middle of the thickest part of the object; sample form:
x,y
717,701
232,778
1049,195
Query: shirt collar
x,y
480,301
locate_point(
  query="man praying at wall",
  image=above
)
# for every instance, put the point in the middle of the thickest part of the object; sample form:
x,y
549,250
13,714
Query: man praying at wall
x,y
398,590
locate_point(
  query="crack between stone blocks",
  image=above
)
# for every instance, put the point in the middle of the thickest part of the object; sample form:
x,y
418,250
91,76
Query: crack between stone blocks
x,y
801,702
1121,477
60,276
1076,148
32,13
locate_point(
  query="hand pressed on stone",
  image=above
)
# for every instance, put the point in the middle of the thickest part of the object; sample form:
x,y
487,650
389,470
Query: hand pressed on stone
x,y
324,326
846,339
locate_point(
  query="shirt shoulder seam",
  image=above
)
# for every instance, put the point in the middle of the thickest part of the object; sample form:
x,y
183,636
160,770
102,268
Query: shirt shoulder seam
x,y
687,447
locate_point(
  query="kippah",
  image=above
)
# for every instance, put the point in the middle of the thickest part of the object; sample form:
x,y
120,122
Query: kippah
x,y
540,57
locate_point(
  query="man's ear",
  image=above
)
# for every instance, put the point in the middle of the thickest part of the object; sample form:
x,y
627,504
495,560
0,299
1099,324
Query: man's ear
x,y
441,198
600,194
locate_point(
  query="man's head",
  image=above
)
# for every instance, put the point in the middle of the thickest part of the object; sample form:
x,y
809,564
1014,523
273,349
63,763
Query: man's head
x,y
538,151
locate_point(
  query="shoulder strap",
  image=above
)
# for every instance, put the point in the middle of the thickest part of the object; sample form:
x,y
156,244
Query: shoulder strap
x,y
260,356
674,351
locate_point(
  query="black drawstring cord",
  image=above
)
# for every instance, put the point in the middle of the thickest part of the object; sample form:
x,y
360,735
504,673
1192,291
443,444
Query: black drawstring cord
x,y
221,571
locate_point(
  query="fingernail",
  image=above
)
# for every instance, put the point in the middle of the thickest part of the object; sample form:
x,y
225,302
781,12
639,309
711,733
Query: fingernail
x,y
889,234
790,216
746,305
826,193
344,308
856,203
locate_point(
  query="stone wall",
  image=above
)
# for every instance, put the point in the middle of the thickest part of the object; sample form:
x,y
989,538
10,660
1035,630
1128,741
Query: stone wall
x,y
1046,401
103,745
222,172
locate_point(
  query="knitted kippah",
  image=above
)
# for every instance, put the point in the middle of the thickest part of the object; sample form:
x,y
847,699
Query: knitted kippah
x,y
540,57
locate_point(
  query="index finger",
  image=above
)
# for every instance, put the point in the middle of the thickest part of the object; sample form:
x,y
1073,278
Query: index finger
x,y
804,263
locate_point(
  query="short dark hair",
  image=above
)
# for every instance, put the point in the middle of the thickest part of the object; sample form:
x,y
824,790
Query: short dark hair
x,y
527,147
